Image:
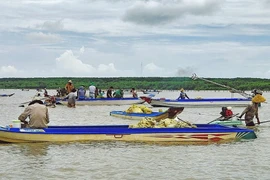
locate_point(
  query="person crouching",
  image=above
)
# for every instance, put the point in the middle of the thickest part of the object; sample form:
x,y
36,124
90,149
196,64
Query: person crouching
x,y
37,113
71,98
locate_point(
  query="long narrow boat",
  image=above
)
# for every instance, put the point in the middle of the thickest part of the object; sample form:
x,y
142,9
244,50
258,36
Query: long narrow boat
x,y
204,102
150,91
103,101
228,122
6,95
202,134
172,112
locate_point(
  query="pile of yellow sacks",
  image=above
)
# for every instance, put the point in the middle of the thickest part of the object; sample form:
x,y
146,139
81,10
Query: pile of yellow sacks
x,y
139,109
169,123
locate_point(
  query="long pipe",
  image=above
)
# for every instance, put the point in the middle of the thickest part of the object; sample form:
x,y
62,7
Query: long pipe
x,y
194,77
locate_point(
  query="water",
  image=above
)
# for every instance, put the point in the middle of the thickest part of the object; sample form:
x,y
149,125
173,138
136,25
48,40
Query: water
x,y
131,161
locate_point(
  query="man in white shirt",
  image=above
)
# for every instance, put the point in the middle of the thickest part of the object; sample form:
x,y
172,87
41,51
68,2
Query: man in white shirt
x,y
92,90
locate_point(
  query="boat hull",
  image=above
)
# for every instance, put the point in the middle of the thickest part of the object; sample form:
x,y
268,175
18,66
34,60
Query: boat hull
x,y
204,133
151,92
137,116
228,123
170,113
210,102
104,101
6,95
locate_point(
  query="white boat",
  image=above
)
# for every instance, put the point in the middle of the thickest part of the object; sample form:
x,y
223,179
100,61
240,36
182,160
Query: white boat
x,y
151,92
104,101
203,102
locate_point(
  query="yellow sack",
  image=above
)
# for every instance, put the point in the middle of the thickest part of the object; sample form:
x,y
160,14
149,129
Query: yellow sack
x,y
137,110
134,109
146,110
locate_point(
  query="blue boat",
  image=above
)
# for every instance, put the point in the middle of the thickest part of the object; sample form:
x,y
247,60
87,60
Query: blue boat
x,y
6,95
104,101
200,102
202,134
172,112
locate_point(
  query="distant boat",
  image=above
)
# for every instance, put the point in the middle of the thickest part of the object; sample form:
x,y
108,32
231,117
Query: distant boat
x,y
6,95
202,102
103,101
172,112
150,91
25,89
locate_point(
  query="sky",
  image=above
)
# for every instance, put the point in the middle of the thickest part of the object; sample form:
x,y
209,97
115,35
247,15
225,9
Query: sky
x,y
135,38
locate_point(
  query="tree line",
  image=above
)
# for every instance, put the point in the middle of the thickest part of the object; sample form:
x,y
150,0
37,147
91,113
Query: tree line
x,y
159,83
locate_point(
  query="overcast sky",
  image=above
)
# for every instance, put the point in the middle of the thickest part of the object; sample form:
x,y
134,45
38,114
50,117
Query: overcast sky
x,y
129,38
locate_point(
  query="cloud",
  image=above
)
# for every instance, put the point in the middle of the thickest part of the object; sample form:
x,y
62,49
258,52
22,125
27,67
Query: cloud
x,y
73,66
67,61
82,50
40,37
159,12
102,68
44,2
8,71
184,72
52,25
152,70
266,2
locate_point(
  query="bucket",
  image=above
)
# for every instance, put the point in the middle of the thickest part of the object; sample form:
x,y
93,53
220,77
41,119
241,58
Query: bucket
x,y
16,124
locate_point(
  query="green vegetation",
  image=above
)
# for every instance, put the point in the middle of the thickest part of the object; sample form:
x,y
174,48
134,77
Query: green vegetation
x,y
161,83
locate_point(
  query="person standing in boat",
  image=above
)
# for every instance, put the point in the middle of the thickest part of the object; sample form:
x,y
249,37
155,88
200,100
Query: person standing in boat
x,y
110,92
37,113
251,110
69,86
182,95
92,91
96,92
119,93
134,93
46,93
81,93
71,98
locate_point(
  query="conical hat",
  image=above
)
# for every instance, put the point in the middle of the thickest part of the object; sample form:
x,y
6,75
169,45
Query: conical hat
x,y
258,98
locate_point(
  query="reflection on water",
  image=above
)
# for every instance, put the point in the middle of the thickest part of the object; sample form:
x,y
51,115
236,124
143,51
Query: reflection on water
x,y
124,160
33,149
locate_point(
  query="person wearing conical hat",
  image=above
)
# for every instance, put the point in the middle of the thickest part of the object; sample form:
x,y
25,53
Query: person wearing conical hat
x,y
69,86
182,95
251,110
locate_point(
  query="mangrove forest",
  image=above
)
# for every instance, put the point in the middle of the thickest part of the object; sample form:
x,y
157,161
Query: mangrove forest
x,y
159,83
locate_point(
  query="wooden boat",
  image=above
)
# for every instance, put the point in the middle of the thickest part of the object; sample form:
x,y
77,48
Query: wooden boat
x,y
172,112
204,102
229,123
6,95
150,91
103,101
202,134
